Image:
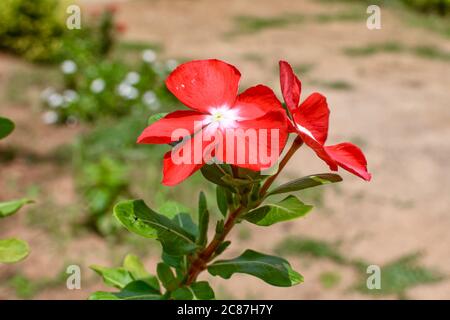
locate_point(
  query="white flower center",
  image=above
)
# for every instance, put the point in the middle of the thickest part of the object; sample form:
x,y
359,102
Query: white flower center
x,y
222,117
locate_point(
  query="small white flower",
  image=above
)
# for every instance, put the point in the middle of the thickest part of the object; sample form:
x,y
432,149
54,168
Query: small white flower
x,y
171,64
46,93
98,85
127,91
68,67
149,56
55,100
134,93
70,96
132,78
150,100
50,117
149,97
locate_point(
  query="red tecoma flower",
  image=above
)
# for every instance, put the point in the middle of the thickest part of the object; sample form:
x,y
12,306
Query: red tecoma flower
x,y
210,89
310,121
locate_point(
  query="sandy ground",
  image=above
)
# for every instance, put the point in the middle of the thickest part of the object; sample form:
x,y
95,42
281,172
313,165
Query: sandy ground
x,y
398,110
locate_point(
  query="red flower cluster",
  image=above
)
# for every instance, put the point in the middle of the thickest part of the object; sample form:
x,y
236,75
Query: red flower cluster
x,y
210,89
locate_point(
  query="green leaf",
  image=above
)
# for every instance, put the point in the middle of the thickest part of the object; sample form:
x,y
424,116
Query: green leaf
x,y
13,250
140,219
6,127
202,290
102,295
182,294
166,276
10,207
215,175
173,261
114,277
124,212
172,208
222,247
287,209
203,220
155,117
135,266
184,220
138,290
273,270
222,197
306,182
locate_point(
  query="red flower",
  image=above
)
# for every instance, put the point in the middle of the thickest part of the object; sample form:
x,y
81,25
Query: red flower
x,y
210,89
310,121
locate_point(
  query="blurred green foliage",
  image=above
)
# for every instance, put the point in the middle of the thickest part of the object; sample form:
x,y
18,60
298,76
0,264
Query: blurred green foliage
x,y
441,7
33,29
37,31
400,275
312,247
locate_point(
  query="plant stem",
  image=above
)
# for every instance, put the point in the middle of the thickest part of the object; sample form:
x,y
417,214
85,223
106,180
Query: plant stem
x,y
200,262
294,147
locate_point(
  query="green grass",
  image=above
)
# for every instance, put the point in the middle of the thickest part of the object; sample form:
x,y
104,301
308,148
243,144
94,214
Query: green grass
x,y
129,45
397,276
421,51
329,279
411,18
303,68
248,24
333,84
400,275
310,247
26,288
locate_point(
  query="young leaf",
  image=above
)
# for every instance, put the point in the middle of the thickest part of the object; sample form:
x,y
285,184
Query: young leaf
x,y
113,277
124,212
202,290
171,209
213,174
138,290
140,219
287,209
222,199
173,261
166,276
10,207
203,220
6,127
184,220
273,270
13,250
306,182
222,247
137,270
102,295
155,117
182,294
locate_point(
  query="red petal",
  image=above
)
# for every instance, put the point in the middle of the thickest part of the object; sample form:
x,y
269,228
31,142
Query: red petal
x,y
173,173
313,115
291,86
254,151
351,158
161,131
256,102
203,84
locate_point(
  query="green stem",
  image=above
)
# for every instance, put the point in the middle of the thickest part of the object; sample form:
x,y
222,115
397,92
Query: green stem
x,y
200,262
294,147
